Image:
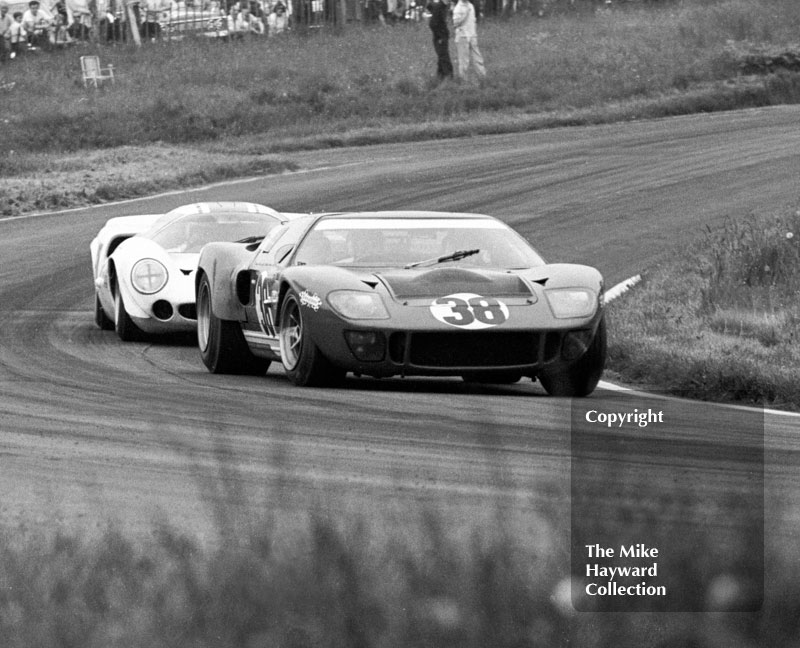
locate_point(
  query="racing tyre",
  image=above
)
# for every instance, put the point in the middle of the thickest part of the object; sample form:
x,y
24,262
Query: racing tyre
x,y
303,361
100,318
580,378
123,324
222,344
498,377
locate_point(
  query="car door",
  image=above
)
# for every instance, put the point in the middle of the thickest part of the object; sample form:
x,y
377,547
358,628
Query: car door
x,y
265,271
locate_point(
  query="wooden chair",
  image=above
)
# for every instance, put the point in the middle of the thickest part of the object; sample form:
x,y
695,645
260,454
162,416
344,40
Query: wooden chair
x,y
93,73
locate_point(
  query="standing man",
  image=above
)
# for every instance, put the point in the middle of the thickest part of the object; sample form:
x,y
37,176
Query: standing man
x,y
467,40
441,39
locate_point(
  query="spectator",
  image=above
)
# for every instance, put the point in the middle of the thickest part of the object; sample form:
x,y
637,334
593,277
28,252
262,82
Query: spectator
x,y
111,20
151,27
467,40
81,18
441,39
255,10
277,19
60,9
245,23
5,31
233,14
61,36
38,24
18,36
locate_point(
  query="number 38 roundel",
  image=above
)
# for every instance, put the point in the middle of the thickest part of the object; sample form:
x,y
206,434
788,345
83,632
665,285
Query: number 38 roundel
x,y
469,311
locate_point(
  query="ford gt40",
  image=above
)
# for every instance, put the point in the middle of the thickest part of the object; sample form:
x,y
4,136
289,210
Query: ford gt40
x,y
400,293
144,266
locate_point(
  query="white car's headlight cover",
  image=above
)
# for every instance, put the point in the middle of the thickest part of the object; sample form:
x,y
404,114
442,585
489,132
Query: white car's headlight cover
x,y
571,302
355,304
148,276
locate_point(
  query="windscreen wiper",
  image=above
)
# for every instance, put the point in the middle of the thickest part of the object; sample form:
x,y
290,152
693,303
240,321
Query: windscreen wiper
x,y
251,239
455,256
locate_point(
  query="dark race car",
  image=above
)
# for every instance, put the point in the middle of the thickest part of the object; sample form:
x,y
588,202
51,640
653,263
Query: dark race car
x,y
400,293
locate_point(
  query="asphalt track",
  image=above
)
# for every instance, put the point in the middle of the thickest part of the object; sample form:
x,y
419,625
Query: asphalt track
x,y
96,430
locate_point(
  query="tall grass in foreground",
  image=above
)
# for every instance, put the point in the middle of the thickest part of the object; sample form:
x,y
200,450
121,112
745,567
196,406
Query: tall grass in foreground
x,y
721,322
334,81
357,582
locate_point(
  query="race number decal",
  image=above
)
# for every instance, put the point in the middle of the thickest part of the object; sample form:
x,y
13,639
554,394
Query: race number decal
x,y
469,311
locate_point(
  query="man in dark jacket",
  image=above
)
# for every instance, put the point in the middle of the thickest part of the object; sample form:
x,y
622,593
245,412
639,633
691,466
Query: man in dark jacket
x,y
441,38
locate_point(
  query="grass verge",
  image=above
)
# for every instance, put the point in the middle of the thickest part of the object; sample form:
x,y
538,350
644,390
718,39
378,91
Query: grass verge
x,y
43,181
721,322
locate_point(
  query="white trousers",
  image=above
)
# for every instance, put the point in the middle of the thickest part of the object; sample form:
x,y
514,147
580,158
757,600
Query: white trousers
x,y
468,52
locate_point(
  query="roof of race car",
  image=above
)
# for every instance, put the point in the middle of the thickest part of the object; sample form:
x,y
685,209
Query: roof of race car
x,y
405,214
212,207
195,209
405,219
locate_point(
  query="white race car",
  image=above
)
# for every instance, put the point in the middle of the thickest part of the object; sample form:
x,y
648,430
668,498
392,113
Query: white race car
x,y
144,266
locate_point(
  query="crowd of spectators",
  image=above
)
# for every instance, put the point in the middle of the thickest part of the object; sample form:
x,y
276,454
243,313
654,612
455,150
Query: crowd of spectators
x,y
32,25
62,23
253,17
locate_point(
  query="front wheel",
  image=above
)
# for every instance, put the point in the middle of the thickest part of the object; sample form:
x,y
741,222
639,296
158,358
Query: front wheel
x,y
123,324
303,361
222,344
100,318
580,378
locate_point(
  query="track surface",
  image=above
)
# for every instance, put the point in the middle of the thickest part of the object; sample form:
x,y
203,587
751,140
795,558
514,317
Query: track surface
x,y
94,429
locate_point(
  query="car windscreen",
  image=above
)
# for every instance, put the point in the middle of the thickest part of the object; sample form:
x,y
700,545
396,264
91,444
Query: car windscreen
x,y
191,232
383,242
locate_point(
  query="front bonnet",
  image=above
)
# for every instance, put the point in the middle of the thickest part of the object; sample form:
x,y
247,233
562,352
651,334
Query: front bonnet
x,y
410,284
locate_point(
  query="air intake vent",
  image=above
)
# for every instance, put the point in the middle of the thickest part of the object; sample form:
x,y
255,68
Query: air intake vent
x,y
446,281
472,349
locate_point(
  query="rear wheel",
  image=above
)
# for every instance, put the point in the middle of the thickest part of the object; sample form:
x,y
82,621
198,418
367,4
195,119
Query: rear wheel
x,y
303,361
222,344
580,378
123,324
100,318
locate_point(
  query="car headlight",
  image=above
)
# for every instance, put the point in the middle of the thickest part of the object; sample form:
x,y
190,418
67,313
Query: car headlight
x,y
571,302
149,276
354,304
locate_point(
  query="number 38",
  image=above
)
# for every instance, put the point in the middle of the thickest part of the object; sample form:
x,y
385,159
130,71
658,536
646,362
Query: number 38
x,y
469,311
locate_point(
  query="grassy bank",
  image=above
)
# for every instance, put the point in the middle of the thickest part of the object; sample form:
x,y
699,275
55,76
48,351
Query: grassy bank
x,y
366,85
329,82
43,181
721,322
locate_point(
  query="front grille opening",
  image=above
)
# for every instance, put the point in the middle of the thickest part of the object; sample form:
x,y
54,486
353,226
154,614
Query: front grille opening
x,y
474,349
397,347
